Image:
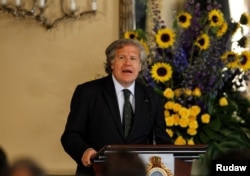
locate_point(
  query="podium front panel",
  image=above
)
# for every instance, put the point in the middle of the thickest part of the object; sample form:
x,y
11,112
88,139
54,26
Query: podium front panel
x,y
174,160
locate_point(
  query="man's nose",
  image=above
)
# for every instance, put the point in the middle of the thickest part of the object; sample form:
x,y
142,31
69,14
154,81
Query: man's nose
x,y
127,60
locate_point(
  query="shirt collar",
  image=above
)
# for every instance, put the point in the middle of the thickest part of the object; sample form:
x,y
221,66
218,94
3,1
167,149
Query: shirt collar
x,y
119,87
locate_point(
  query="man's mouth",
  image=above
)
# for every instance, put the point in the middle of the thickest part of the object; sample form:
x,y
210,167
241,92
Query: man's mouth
x,y
126,71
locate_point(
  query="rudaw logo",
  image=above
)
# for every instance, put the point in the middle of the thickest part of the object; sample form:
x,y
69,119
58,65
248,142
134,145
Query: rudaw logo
x,y
230,168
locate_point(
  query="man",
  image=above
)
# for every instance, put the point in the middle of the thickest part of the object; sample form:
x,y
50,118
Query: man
x,y
4,164
96,115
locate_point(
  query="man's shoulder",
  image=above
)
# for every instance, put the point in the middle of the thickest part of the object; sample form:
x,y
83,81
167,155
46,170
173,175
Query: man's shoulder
x,y
140,82
91,88
149,90
96,83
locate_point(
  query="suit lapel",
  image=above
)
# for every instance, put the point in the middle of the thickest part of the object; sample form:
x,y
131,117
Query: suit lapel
x,y
140,102
111,99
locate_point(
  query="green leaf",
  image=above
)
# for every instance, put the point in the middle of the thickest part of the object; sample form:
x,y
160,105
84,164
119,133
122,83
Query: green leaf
x,y
175,24
229,144
214,30
215,124
203,138
211,133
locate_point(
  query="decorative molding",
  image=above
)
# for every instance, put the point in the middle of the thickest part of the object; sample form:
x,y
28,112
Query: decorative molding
x,y
68,9
126,15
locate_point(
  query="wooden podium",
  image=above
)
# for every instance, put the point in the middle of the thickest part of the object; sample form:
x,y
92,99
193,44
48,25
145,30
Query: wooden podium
x,y
179,156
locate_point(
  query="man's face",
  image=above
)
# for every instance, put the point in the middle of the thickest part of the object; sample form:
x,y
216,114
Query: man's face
x,y
126,65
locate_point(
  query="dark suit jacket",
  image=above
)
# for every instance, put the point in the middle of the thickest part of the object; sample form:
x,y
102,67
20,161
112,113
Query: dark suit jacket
x,y
94,119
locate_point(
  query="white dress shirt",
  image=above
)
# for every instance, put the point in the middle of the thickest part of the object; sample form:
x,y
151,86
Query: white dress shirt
x,y
120,96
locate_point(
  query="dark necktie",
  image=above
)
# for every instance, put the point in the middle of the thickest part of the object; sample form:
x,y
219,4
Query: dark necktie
x,y
127,112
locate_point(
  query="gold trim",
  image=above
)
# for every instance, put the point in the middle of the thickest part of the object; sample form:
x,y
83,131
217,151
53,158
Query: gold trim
x,y
153,165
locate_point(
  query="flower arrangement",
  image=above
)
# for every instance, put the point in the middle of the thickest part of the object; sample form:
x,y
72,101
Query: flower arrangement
x,y
196,66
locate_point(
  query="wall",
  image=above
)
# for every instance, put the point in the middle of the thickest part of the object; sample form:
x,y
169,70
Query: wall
x,y
39,70
168,8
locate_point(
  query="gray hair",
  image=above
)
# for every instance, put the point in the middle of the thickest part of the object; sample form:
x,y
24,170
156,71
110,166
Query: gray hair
x,y
120,43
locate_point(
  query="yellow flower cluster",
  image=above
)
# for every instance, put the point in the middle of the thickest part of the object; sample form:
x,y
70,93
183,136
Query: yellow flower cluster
x,y
186,118
181,141
170,94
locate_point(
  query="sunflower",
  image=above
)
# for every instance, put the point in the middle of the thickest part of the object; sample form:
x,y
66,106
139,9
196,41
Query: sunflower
x,y
165,38
184,19
130,35
245,60
216,18
230,59
203,41
245,19
222,30
161,72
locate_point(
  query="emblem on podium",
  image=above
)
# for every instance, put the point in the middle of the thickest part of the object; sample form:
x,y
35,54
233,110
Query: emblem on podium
x,y
156,168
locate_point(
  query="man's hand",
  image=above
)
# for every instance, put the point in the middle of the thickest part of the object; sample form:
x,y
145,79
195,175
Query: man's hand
x,y
87,155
